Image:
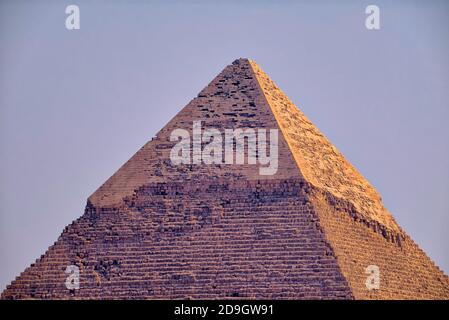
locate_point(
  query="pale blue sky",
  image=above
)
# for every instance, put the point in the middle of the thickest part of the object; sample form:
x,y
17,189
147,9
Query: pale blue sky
x,y
75,105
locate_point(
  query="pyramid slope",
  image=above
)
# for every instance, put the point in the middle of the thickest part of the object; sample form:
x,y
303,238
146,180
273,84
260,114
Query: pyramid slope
x,y
239,234
358,227
155,230
318,160
257,240
232,100
405,270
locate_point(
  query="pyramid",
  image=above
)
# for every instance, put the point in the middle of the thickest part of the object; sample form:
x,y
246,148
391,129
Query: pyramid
x,y
309,230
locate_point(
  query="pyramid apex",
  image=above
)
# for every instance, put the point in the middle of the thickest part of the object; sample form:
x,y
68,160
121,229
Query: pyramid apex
x,y
241,60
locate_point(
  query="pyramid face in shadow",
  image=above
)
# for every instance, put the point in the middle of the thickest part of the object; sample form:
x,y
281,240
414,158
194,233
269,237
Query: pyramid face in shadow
x,y
297,221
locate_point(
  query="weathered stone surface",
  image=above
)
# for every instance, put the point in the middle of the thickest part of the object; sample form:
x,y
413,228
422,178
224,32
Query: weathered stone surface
x,y
155,230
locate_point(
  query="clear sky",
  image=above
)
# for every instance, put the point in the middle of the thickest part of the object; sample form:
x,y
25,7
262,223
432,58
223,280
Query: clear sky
x,y
75,105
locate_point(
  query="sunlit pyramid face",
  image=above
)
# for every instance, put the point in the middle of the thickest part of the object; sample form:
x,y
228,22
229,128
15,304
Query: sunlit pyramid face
x,y
238,196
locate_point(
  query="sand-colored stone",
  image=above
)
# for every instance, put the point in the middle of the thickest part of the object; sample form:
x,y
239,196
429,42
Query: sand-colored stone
x,y
155,230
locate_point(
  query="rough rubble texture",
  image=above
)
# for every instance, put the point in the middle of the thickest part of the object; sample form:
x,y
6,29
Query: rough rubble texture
x,y
159,231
